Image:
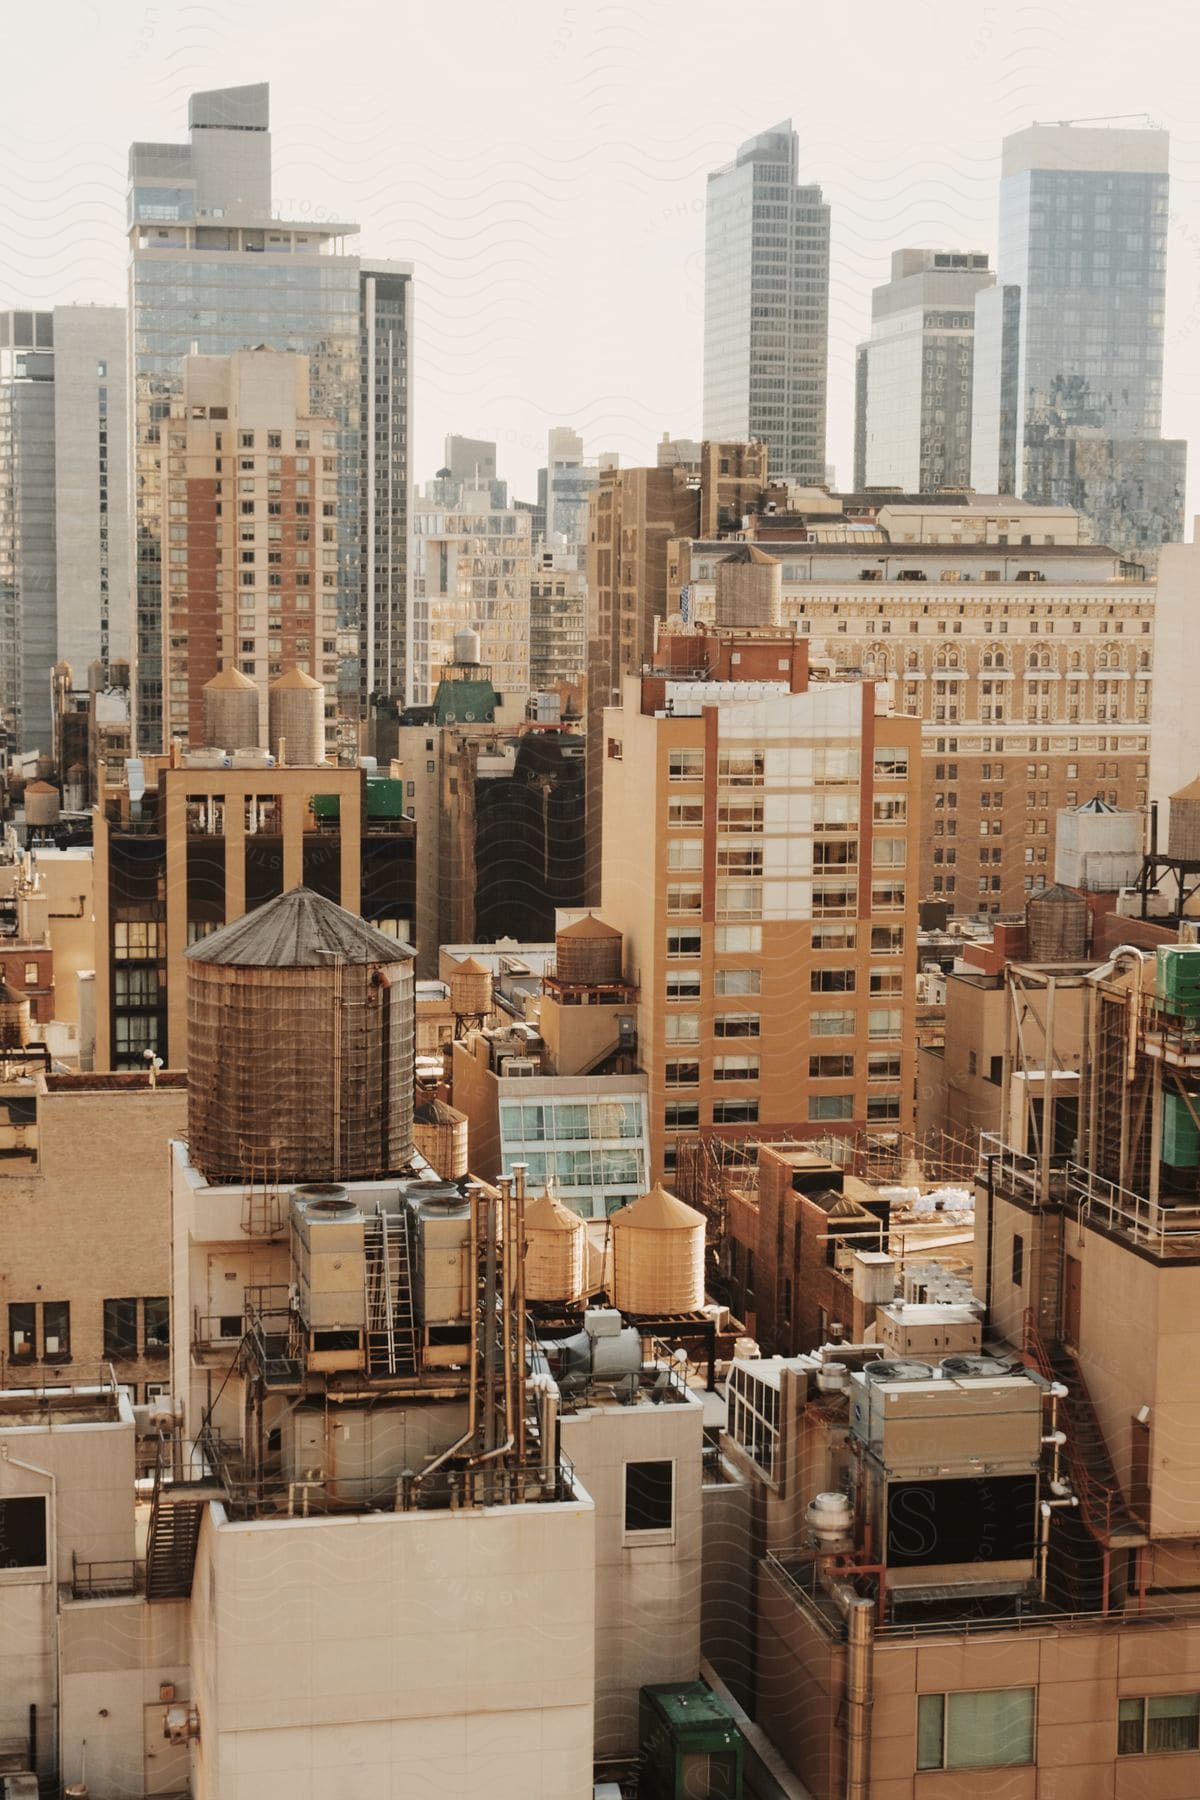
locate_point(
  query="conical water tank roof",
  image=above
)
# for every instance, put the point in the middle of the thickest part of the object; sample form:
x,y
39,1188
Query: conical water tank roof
x,y
231,711
555,1250
300,1046
296,719
658,1254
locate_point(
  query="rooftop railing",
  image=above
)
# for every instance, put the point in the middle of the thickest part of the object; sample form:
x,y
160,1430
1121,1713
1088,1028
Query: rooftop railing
x,y
1166,1227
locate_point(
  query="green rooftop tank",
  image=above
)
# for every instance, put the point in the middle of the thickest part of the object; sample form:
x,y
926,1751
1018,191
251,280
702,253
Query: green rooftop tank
x,y
690,1744
1180,1133
385,800
1177,979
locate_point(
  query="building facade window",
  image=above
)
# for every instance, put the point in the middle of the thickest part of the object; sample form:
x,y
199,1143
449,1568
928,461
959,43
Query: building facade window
x,y
1158,1725
650,1499
979,1730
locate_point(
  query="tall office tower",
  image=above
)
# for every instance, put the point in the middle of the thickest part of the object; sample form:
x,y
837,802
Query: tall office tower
x,y
212,271
912,423
385,311
64,552
760,862
258,596
1069,344
470,573
472,464
569,481
766,306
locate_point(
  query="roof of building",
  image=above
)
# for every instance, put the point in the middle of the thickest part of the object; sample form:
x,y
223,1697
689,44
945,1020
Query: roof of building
x,y
299,929
589,927
657,1211
291,678
230,678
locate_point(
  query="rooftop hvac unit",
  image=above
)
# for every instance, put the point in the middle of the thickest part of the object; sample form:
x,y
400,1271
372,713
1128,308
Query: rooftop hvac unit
x,y
519,1065
898,1371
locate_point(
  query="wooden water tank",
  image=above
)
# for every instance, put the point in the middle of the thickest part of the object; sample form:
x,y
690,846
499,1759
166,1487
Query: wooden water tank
x,y
42,803
555,1250
658,1255
440,1136
588,953
471,988
231,711
1056,926
1183,825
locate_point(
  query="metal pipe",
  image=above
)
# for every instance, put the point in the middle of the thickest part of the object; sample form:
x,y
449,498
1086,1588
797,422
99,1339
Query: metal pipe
x,y
519,1191
860,1637
488,1422
507,1273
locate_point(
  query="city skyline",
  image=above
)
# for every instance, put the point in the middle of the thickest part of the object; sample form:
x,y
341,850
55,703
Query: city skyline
x,y
560,272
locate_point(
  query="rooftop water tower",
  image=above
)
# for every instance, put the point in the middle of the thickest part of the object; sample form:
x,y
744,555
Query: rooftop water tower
x,y
300,1045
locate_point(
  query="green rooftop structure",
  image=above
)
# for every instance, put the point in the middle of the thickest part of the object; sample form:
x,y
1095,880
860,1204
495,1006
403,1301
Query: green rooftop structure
x,y
464,702
690,1742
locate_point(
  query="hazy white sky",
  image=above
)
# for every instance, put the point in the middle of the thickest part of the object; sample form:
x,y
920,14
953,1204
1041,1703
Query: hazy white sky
x,y
543,165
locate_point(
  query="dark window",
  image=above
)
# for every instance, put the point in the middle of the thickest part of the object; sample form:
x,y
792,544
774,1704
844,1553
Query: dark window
x,y
120,1328
56,1330
156,1321
1018,1261
649,1496
23,1532
22,1332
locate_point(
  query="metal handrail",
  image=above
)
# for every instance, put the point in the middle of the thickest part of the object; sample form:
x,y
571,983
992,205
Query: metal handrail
x,y
1097,1499
1092,1197
1032,1620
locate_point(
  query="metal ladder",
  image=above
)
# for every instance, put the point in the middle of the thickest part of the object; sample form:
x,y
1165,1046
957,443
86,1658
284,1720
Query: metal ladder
x,y
391,1327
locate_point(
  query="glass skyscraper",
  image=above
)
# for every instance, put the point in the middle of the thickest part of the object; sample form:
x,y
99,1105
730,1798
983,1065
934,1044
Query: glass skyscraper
x,y
1069,344
211,271
64,560
912,426
766,306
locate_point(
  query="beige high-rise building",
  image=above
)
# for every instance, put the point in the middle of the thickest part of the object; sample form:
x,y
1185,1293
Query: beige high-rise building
x,y
759,860
635,513
1026,655
252,555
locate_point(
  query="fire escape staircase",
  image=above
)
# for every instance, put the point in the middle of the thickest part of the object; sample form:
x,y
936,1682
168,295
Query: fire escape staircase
x,y
391,1323
1102,1505
175,1515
